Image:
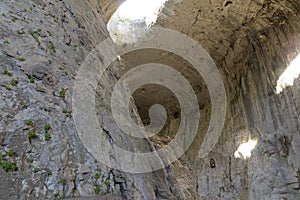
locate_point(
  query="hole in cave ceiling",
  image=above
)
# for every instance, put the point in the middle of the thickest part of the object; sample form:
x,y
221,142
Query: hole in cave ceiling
x,y
289,75
132,20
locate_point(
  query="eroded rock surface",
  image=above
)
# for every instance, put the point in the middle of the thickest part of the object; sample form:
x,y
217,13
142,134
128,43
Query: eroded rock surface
x,y
44,42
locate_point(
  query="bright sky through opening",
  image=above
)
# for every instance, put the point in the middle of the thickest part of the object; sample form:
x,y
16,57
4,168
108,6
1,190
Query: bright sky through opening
x,y
289,75
140,9
245,149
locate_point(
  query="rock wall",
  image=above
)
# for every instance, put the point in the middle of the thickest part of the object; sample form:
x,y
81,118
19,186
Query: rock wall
x,y
109,7
43,43
252,43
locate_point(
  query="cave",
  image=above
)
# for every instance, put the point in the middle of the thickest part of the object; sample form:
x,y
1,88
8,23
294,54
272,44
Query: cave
x,y
186,99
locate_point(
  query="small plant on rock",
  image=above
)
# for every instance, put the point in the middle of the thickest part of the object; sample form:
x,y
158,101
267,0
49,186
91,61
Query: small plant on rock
x,y
36,170
63,181
13,82
35,37
97,188
10,153
56,195
47,127
106,182
65,73
8,166
62,93
32,134
30,160
31,79
28,122
52,48
97,176
47,136
7,73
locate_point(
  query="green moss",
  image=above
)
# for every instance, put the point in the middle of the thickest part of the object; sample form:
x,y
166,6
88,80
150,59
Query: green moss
x,y
8,166
6,42
7,88
3,14
56,195
97,176
69,115
62,93
30,160
106,182
10,153
7,73
35,37
64,110
14,19
63,181
36,170
52,47
105,134
65,73
13,82
31,134
31,79
47,136
22,59
50,62
28,122
47,127
97,188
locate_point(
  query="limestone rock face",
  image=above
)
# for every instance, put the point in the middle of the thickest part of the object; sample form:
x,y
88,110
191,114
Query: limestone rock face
x,y
109,7
252,43
44,42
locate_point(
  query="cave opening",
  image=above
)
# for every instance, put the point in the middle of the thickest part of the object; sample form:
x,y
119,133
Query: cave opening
x,y
255,63
58,132
132,20
127,26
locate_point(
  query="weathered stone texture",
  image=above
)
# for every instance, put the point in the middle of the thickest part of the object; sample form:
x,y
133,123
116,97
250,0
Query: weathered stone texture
x,y
43,43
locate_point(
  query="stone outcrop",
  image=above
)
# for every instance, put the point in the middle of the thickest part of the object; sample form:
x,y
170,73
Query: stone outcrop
x,y
252,43
44,42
